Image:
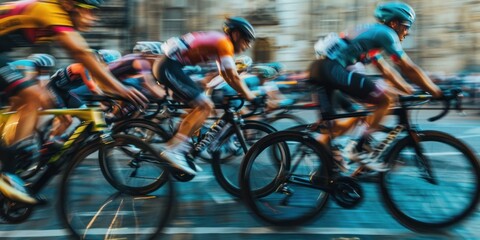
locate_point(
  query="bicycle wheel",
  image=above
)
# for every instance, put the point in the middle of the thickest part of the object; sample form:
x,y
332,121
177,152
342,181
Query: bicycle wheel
x,y
283,121
290,192
435,189
90,208
139,173
130,169
227,159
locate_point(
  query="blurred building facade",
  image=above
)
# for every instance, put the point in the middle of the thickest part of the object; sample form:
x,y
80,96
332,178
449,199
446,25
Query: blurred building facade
x,y
445,38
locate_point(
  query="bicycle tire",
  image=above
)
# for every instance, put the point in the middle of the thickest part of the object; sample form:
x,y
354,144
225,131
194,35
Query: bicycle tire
x,y
90,208
225,165
138,173
265,198
403,181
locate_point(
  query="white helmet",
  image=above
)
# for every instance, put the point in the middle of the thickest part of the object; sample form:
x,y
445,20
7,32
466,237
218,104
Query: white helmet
x,y
148,47
243,62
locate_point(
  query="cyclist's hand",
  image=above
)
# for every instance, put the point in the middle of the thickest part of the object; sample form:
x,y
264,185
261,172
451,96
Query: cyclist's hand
x,y
258,101
135,96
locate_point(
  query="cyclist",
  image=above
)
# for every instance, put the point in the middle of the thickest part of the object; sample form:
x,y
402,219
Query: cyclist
x,y
364,44
25,23
191,49
136,69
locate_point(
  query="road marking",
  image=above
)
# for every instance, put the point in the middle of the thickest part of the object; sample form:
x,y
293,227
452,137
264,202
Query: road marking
x,y
216,230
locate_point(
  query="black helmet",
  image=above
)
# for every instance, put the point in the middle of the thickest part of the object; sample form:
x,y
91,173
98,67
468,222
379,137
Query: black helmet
x,y
88,3
387,12
240,24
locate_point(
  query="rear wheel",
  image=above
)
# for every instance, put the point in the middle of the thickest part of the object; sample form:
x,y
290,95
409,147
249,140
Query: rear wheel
x,y
227,159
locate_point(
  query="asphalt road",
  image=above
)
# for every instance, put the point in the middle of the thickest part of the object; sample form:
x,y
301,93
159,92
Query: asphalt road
x,y
204,211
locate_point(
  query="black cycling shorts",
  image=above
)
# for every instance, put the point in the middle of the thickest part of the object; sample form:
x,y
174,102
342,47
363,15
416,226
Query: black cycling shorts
x,y
11,79
329,75
170,74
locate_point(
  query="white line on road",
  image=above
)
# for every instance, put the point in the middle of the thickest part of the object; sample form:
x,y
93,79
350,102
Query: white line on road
x,y
214,230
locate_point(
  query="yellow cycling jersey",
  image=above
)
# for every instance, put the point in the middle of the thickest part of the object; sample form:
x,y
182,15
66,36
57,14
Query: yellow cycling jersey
x,y
28,22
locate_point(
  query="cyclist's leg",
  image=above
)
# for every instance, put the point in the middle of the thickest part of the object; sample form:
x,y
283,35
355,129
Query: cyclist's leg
x,y
188,92
20,144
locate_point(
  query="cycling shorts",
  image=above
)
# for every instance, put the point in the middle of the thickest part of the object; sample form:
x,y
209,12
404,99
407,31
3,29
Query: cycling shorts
x,y
329,75
170,73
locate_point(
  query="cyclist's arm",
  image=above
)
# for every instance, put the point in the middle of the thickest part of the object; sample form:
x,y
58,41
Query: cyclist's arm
x,y
418,76
76,45
393,76
79,69
229,73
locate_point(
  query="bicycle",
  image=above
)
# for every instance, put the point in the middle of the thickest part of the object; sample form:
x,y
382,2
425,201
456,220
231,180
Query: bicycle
x,y
287,177
227,140
77,160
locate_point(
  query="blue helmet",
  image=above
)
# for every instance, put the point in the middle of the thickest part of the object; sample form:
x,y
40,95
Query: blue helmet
x,y
109,55
241,25
387,12
43,60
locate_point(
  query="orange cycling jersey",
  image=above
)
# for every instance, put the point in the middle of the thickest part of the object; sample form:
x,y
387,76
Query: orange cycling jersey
x,y
203,47
27,22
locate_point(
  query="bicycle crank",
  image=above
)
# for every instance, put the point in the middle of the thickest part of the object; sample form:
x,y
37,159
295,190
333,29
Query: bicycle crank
x,y
346,192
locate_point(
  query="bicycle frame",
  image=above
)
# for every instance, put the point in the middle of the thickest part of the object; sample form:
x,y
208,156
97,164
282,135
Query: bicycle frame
x,y
93,121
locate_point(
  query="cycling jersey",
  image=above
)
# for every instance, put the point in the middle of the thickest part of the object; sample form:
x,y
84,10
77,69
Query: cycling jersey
x,y
199,47
73,76
366,42
23,24
28,22
191,49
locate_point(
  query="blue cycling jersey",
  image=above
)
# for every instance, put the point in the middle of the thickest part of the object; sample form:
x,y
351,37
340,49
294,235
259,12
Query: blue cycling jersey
x,y
365,42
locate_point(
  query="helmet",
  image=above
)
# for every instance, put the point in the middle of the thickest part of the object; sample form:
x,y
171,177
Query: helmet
x,y
264,71
43,60
243,62
387,12
88,4
109,55
279,67
240,24
148,47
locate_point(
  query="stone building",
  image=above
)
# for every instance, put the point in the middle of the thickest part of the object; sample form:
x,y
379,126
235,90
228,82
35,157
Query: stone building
x,y
445,38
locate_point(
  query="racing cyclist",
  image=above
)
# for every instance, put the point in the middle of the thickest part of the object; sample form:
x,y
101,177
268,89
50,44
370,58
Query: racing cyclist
x,y
365,44
192,49
24,24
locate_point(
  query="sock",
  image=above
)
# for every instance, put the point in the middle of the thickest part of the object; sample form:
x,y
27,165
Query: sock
x,y
179,143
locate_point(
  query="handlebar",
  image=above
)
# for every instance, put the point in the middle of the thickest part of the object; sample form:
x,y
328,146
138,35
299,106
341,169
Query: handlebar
x,y
258,106
449,96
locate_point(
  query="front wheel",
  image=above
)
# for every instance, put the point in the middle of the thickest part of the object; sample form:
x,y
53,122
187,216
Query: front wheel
x,y
285,178
433,184
91,208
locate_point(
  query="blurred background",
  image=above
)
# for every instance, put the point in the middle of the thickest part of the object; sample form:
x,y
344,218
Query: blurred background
x,y
445,40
